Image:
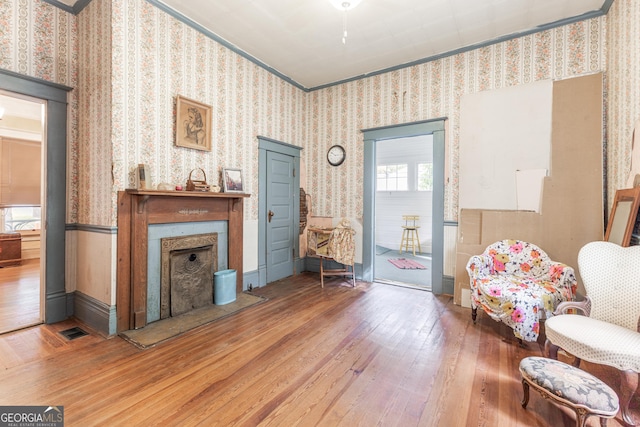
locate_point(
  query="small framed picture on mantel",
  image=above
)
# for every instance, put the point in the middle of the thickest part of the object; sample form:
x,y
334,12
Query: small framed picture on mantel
x,y
232,180
193,124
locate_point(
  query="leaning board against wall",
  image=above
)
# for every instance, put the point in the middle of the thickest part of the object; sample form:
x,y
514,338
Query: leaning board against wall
x,y
505,146
561,214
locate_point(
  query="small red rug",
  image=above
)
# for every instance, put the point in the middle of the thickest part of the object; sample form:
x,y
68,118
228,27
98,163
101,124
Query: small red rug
x,y
407,264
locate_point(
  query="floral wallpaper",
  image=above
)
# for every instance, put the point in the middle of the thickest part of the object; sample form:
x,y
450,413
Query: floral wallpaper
x,y
133,59
40,40
154,58
94,183
623,90
432,90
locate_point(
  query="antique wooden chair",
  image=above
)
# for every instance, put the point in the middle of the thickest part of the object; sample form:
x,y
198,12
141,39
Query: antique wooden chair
x,y
608,332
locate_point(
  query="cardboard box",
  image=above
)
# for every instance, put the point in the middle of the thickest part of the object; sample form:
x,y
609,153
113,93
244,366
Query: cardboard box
x,y
571,213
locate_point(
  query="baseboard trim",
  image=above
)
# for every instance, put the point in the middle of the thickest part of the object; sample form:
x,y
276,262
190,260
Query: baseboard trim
x,y
250,279
448,285
96,314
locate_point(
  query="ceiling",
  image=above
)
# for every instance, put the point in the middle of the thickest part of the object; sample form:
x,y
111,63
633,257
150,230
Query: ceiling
x,y
301,39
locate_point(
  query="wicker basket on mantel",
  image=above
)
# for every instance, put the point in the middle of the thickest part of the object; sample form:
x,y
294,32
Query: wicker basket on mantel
x,y
195,185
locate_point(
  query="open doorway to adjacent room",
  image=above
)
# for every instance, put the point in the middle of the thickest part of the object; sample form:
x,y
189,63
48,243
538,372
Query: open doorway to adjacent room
x,y
21,207
431,231
403,211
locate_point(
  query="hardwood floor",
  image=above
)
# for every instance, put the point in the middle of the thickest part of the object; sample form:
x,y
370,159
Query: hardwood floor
x,y
375,355
20,295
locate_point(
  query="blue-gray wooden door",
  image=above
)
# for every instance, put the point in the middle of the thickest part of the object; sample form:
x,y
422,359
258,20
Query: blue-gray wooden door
x,y
280,220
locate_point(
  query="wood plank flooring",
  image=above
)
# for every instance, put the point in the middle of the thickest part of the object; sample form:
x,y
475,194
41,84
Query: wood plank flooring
x,y
374,355
20,295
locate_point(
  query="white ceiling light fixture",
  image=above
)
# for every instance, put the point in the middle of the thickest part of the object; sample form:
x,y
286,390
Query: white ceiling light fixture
x,y
345,6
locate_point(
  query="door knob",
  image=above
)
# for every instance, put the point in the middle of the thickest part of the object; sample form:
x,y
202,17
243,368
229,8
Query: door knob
x,y
270,215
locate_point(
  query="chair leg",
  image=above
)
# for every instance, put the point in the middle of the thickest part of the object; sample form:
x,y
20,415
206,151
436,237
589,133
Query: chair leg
x,y
413,242
581,417
353,274
525,398
551,350
628,387
474,314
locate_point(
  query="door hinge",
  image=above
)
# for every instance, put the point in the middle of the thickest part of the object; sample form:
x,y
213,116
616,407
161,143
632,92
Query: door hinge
x,y
294,172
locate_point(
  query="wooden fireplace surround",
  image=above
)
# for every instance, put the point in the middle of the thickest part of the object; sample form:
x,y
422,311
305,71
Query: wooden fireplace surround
x,y
137,209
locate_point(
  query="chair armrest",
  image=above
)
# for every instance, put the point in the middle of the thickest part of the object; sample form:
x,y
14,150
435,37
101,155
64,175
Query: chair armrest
x,y
479,265
564,278
584,306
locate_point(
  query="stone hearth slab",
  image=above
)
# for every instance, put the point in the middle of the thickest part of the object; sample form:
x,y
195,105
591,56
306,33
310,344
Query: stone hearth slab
x,y
170,327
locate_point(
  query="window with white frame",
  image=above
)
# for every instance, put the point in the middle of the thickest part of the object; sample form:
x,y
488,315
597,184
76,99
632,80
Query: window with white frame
x,y
425,177
392,178
22,218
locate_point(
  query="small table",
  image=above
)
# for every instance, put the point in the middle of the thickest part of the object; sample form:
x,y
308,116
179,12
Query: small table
x,y
569,386
318,246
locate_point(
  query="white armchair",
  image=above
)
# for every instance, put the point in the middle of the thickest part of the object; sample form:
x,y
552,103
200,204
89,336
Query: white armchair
x,y
608,332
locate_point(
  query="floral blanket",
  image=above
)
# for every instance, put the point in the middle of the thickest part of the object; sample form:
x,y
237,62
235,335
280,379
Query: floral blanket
x,y
517,283
342,246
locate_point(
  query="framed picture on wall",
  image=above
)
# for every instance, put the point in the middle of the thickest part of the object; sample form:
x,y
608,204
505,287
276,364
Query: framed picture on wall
x,y
232,180
193,124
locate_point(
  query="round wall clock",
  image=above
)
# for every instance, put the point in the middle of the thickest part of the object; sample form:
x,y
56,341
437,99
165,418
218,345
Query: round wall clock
x,y
336,155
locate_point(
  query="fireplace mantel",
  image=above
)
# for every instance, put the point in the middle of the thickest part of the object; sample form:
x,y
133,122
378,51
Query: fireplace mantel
x,y
137,209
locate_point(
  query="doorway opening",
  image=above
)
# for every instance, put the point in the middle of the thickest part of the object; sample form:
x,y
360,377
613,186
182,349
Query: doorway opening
x,y
54,303
372,139
21,210
403,211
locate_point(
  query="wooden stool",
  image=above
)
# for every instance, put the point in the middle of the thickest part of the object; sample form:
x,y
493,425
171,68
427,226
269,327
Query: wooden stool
x,y
410,234
336,271
569,386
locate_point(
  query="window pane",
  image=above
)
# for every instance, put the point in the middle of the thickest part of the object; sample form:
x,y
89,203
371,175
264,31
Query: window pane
x,y
401,179
425,176
392,178
381,184
22,218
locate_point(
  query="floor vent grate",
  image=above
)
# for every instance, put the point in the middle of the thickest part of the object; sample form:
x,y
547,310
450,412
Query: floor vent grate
x,y
73,333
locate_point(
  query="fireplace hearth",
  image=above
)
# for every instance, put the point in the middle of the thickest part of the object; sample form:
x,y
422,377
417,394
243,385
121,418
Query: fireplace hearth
x,y
187,267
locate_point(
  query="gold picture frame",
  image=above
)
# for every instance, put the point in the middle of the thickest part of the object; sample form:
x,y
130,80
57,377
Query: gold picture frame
x,y
193,124
623,216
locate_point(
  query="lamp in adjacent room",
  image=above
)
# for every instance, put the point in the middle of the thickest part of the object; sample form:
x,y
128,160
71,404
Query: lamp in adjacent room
x,y
345,6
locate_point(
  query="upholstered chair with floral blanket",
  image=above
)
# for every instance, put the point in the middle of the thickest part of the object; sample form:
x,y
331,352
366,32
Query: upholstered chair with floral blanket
x,y
606,328
515,282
